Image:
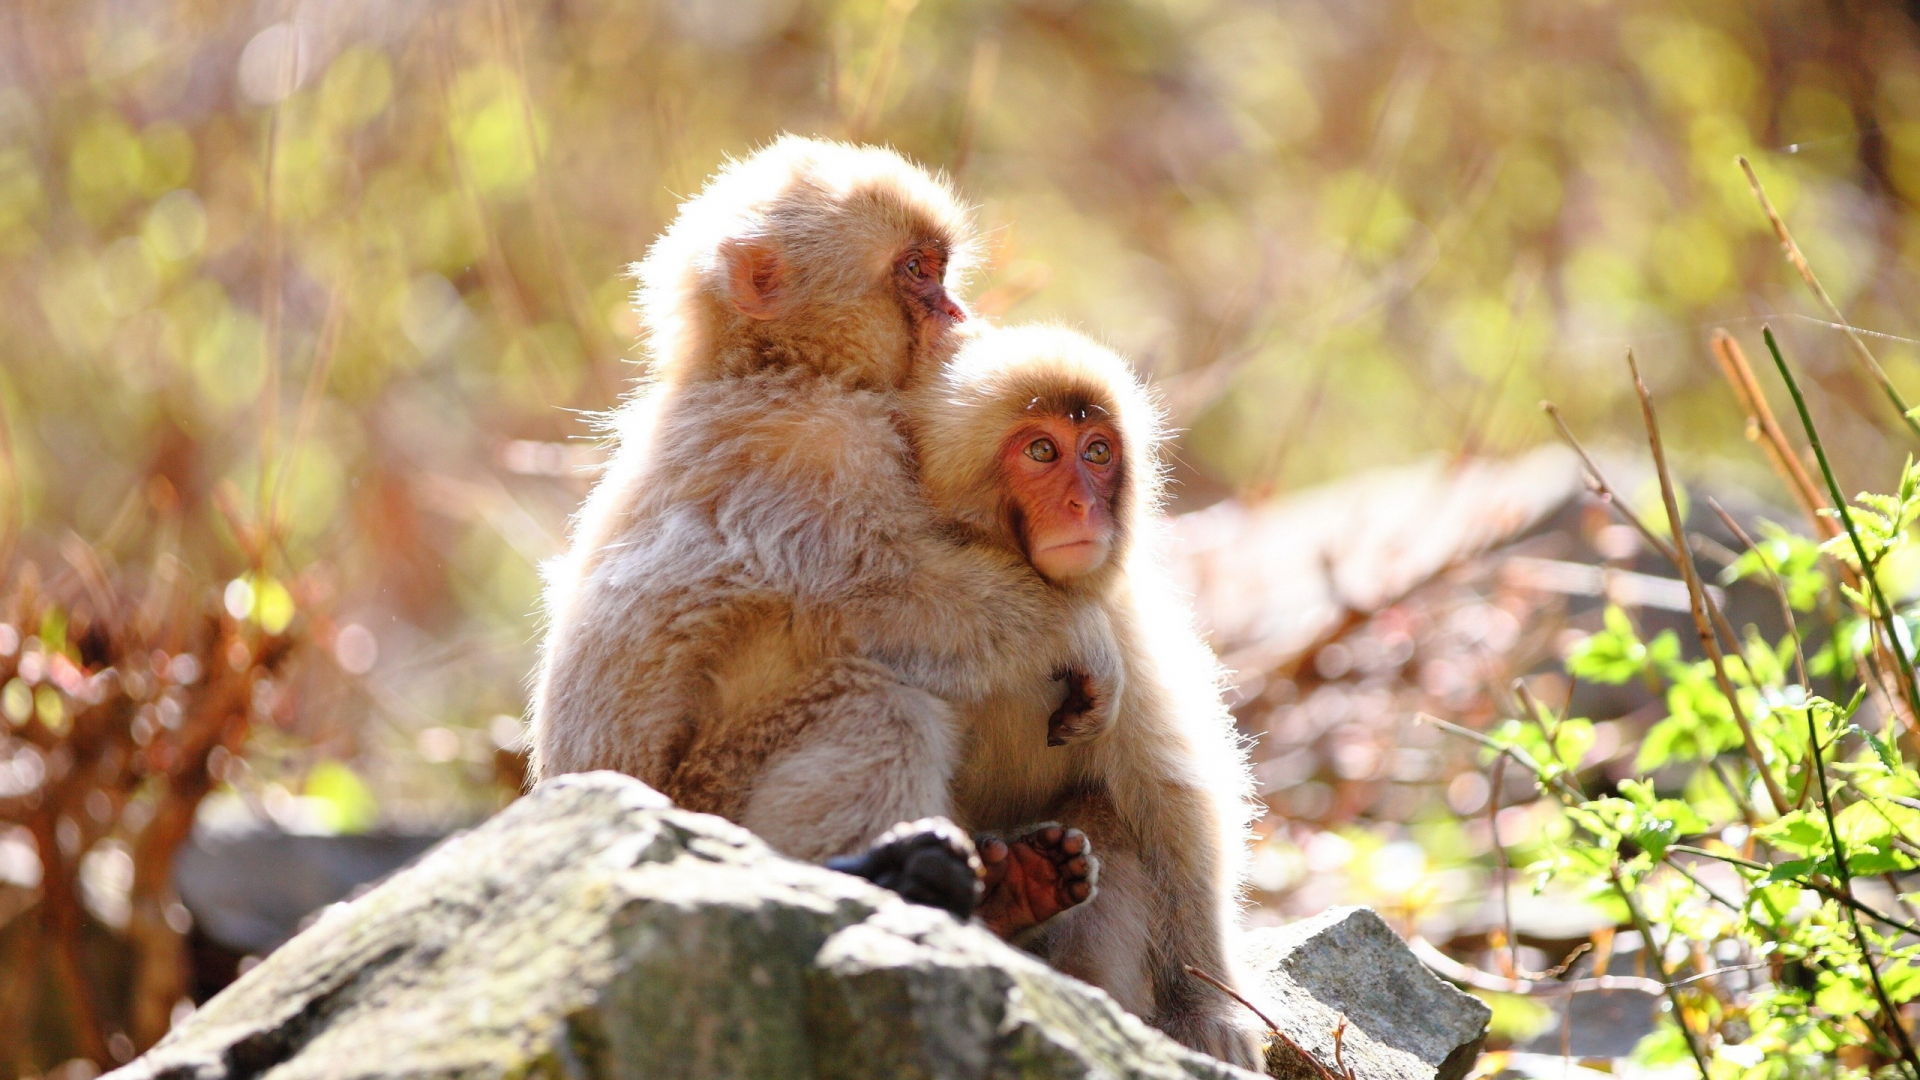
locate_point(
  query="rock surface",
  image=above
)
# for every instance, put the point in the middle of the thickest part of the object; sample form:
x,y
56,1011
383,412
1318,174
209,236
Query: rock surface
x,y
591,931
1403,1022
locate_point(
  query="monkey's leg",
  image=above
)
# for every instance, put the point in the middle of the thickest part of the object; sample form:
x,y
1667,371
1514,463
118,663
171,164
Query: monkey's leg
x,y
1155,913
1034,877
858,752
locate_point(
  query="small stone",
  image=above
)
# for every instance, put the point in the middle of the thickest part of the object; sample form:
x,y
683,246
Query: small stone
x,y
1402,1022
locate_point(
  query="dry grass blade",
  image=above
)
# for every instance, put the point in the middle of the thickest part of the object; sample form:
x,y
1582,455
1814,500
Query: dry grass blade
x,y
1799,261
1697,592
1733,364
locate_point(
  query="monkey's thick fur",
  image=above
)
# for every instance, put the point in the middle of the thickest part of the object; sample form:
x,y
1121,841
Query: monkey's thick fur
x,y
1163,791
764,614
759,569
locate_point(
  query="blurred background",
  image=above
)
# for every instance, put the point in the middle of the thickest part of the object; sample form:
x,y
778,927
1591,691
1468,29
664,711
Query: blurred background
x,y
306,310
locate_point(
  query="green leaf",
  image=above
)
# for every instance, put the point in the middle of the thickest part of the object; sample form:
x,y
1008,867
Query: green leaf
x,y
1901,980
1663,1046
1840,995
1871,822
1791,870
1801,832
1883,860
1613,655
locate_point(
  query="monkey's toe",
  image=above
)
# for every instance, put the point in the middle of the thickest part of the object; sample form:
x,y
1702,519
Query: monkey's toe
x,y
1045,872
930,861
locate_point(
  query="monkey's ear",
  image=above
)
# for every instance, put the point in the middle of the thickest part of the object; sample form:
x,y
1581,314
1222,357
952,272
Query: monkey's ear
x,y
756,278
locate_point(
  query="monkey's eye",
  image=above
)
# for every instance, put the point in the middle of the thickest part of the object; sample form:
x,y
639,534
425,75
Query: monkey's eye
x,y
1098,452
914,267
1042,449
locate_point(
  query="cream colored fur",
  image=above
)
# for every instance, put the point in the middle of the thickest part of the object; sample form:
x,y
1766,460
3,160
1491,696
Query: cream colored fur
x,y
760,613
1164,792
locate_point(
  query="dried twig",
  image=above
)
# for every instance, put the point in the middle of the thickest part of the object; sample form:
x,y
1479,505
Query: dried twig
x,y
1697,592
1454,971
1799,261
1766,430
1611,496
1272,1027
1340,1048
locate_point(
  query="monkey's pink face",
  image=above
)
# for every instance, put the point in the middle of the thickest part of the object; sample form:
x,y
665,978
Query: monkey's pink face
x,y
921,273
1062,476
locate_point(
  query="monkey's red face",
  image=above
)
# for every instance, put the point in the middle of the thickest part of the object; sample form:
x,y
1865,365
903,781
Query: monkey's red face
x,y
921,272
1061,476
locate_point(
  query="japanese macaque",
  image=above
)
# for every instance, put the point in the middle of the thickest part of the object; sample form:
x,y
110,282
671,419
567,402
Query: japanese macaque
x,y
760,614
1039,441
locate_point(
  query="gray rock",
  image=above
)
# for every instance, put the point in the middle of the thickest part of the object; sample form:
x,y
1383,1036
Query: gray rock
x,y
591,931
1403,1022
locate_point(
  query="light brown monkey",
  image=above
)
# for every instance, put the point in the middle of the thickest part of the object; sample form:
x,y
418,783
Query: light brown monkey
x,y
1040,441
758,573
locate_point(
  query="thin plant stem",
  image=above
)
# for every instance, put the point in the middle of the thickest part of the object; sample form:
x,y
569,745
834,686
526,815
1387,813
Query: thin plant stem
x,y
1827,891
1883,610
1619,506
1696,592
1496,778
1890,1014
1525,760
1799,261
1659,968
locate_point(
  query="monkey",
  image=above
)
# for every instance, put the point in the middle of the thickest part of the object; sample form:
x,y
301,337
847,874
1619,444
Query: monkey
x,y
758,576
1037,440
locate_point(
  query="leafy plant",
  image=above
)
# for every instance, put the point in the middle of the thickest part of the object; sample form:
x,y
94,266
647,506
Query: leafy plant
x,y
1775,962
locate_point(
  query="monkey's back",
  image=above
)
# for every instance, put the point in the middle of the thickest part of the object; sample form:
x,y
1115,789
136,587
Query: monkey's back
x,y
736,518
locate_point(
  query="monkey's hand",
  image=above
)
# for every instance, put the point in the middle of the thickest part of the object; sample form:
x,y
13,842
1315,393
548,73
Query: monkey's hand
x,y
1035,877
1089,707
930,861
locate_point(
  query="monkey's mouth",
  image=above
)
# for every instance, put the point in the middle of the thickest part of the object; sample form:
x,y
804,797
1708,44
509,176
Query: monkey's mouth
x,y
1069,558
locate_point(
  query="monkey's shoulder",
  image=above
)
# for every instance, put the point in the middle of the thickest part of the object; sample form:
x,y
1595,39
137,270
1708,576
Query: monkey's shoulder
x,y
788,420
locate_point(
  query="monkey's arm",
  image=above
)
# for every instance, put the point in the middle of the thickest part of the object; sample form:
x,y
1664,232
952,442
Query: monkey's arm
x,y
965,621
626,678
1096,678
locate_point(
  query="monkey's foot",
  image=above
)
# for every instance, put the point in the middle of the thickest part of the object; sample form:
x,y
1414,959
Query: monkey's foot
x,y
930,861
1085,711
1035,877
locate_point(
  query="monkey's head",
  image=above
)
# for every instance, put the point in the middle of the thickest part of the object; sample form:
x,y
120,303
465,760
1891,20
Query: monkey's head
x,y
809,252
1040,440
